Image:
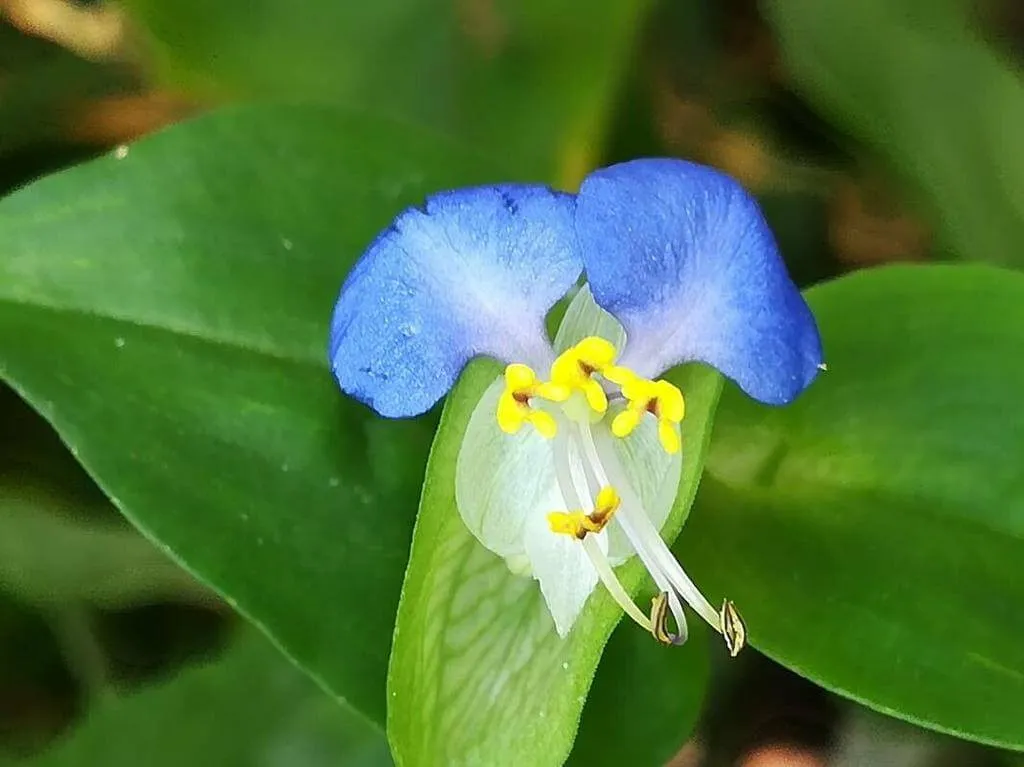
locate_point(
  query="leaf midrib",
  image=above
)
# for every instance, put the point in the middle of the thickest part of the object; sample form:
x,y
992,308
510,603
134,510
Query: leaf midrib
x,y
190,333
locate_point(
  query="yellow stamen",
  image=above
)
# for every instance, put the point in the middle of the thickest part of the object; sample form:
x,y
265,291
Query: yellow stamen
x,y
619,375
574,523
514,410
578,524
605,506
660,398
668,437
625,422
575,367
574,371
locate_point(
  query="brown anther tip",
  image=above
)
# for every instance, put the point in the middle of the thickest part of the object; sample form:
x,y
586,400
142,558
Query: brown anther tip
x,y
734,630
659,622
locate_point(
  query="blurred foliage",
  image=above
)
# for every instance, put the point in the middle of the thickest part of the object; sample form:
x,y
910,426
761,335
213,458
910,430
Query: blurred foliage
x,y
254,708
533,77
941,105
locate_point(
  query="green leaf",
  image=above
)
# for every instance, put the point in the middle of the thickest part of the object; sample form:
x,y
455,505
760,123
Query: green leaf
x,y
645,700
167,313
477,671
252,707
528,80
872,533
49,556
914,79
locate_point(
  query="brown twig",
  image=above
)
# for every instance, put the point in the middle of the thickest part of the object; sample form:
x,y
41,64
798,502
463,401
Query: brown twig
x,y
97,34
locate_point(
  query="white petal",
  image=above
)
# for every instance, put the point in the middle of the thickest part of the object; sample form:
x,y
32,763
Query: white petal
x,y
563,569
653,474
501,479
585,318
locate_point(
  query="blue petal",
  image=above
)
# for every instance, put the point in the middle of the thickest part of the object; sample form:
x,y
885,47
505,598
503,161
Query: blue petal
x,y
473,273
682,256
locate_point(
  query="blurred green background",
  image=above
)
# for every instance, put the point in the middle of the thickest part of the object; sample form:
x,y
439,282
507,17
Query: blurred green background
x,y
873,131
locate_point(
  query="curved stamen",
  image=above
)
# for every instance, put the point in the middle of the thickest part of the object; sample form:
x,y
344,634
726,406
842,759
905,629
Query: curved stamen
x,y
612,583
652,549
596,478
573,489
659,619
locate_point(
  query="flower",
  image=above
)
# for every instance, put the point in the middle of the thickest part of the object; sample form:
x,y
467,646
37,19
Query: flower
x,y
571,461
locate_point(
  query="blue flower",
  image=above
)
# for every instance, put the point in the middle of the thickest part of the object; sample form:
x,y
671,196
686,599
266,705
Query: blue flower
x,y
571,460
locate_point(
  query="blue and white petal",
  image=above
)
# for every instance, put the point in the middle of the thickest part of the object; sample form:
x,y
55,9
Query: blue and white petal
x,y
472,273
683,257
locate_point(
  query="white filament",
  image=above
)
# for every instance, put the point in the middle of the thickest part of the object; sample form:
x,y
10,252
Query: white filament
x,y
574,490
642,534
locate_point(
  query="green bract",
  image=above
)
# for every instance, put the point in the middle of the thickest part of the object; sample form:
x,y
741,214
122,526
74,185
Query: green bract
x,y
477,669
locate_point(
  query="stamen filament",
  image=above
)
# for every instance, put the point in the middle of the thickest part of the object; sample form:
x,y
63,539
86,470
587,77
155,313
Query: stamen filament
x,y
600,458
612,583
596,478
570,486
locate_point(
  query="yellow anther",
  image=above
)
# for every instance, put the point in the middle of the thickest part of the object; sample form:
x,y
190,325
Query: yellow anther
x,y
514,410
575,367
595,352
605,506
519,377
574,523
625,422
659,398
671,406
543,423
578,524
668,437
619,375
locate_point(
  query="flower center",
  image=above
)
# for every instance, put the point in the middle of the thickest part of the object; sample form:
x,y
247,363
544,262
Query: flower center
x,y
577,371
594,486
